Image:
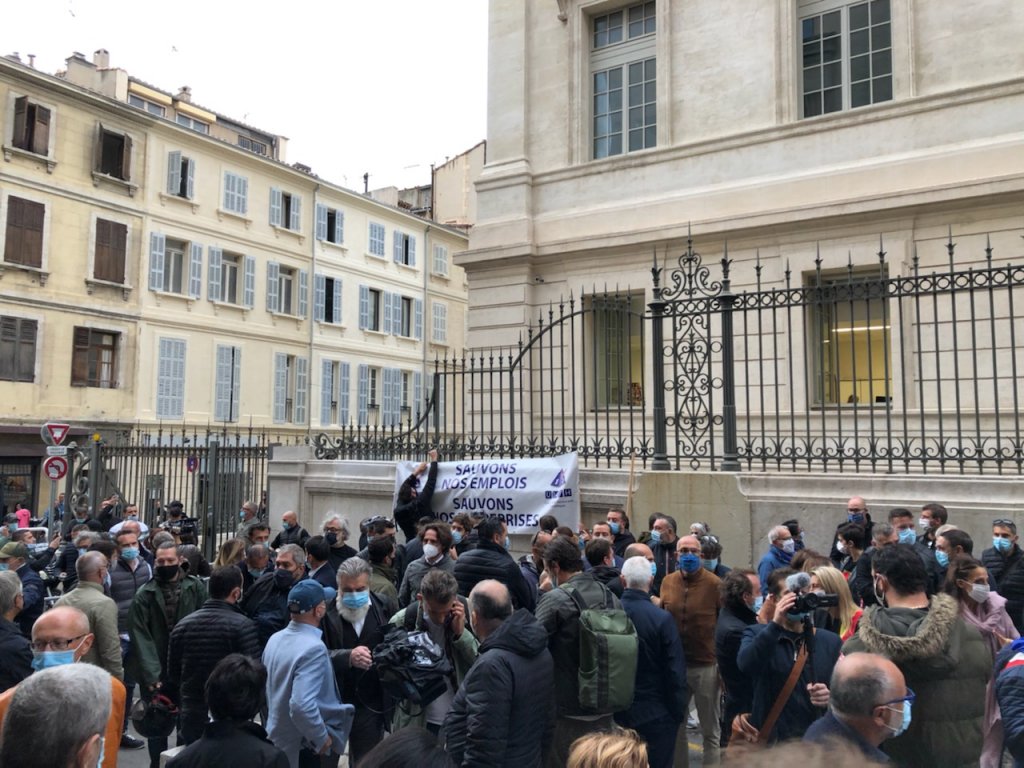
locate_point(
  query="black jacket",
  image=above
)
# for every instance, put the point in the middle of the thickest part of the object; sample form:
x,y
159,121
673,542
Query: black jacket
x,y
1006,576
408,513
609,576
15,655
339,555
1009,690
835,555
267,605
358,687
622,540
297,535
503,713
660,690
666,561
228,743
492,561
124,583
862,586
739,688
34,593
198,643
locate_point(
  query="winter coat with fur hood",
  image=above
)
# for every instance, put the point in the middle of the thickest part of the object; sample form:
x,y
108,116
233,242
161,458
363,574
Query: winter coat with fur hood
x,y
947,664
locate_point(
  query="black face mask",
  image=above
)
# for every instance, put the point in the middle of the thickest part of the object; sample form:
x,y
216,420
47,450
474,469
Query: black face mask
x,y
283,579
166,572
331,538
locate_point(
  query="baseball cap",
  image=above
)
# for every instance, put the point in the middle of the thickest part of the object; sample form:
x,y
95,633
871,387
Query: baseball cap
x,y
14,549
307,595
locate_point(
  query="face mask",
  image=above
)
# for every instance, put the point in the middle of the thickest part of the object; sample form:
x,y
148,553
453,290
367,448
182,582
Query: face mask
x,y
904,723
689,563
942,557
789,546
82,551
508,543
106,581
456,537
1001,544
369,539
758,603
241,514
907,536
355,600
615,528
924,523
48,659
283,579
655,536
710,564
979,592
286,526
654,568
99,760
130,553
331,538
431,551
855,517
581,542
4,567
255,572
841,546
166,572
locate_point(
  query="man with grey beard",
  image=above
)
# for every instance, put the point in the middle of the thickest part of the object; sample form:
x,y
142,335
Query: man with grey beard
x,y
355,623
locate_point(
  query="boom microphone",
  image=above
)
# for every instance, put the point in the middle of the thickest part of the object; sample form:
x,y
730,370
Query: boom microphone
x,y
798,582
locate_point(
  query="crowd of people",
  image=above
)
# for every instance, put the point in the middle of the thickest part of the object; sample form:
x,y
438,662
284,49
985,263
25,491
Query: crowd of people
x,y
899,645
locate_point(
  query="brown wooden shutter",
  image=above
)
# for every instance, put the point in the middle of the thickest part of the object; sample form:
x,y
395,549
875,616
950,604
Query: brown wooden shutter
x,y
126,158
41,131
32,232
20,122
80,358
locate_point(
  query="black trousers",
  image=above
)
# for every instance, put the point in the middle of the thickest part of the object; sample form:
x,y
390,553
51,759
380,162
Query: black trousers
x,y
367,733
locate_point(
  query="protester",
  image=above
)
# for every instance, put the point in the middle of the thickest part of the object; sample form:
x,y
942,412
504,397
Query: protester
x,y
436,538
200,641
414,503
266,601
382,554
15,651
861,584
740,593
291,532
93,571
600,555
248,515
532,565
797,530
336,533
807,560
620,748
1009,685
850,540
1005,565
779,555
490,559
128,574
231,552
932,517
869,702
842,618
985,610
462,524
603,530
306,717
502,714
857,514
690,595
660,695
184,529
441,612
131,515
711,555
258,532
410,747
75,544
618,524
256,565
37,560
318,566
662,543
943,659
14,556
75,696
236,691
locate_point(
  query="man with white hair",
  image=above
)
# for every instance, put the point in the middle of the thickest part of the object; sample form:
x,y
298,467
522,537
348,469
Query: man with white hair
x,y
780,552
660,695
75,696
336,534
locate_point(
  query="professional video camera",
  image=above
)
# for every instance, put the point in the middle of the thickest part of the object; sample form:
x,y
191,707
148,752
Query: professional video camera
x,y
809,601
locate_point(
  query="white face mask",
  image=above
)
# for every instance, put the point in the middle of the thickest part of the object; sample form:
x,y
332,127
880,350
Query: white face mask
x,y
924,523
841,546
431,551
979,592
789,546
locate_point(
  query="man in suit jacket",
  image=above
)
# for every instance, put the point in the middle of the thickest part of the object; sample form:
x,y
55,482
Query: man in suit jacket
x,y
318,562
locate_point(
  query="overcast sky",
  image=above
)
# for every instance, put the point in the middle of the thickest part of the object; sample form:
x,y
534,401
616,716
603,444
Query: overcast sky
x,y
386,87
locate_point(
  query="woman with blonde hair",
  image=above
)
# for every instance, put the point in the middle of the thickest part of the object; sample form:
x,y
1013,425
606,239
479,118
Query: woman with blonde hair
x,y
619,748
845,616
231,552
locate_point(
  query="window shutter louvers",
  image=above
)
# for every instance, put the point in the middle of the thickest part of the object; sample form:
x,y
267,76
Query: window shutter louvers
x,y
280,386
319,296
195,271
301,389
174,173
273,279
213,292
156,261
364,395
343,389
303,293
250,282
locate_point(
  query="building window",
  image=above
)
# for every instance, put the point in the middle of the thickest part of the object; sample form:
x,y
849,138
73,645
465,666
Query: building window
x,y
618,350
228,383
327,299
405,318
376,239
190,122
31,126
848,318
17,349
175,266
149,106
111,247
624,81
290,382
405,249
847,55
287,289
24,239
114,156
231,278
236,193
170,379
257,147
180,175
439,322
285,210
334,393
94,358
440,266
371,309
330,225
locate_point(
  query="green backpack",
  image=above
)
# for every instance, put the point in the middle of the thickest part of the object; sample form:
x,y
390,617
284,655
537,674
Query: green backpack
x,y
608,652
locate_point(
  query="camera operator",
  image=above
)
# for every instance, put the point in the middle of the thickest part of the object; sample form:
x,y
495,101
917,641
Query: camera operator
x,y
788,650
185,529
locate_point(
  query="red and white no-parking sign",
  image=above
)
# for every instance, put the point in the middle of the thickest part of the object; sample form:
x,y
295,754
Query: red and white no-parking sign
x,y
55,467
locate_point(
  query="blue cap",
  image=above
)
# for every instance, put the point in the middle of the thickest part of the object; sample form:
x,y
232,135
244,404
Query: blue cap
x,y
308,594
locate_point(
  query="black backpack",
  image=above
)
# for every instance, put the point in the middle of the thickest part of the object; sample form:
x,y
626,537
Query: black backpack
x,y
411,666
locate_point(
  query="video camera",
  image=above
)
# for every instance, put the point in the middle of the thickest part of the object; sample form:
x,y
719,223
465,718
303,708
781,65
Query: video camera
x,y
809,601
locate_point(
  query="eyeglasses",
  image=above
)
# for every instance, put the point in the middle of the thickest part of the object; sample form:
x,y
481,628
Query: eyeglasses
x,y
909,697
57,644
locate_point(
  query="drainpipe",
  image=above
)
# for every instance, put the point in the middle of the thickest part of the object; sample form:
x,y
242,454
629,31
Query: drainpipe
x,y
427,322
311,306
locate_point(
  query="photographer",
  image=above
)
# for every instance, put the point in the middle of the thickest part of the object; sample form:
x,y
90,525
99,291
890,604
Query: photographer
x,y
788,647
185,529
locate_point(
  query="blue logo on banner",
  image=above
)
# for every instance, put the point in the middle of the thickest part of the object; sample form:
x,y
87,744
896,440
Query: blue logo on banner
x,y
559,479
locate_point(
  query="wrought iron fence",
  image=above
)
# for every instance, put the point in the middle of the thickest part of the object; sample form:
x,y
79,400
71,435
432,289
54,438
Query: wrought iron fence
x,y
854,369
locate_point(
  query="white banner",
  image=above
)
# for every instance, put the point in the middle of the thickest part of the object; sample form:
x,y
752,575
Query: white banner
x,y
519,491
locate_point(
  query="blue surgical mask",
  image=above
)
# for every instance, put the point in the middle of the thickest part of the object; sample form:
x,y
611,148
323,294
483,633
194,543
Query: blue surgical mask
x,y
130,553
855,518
689,563
4,566
907,536
103,746
1001,544
654,568
47,659
942,557
255,572
758,603
655,536
508,543
355,600
82,551
710,564
615,528
106,581
241,514
582,543
905,723
285,525
456,537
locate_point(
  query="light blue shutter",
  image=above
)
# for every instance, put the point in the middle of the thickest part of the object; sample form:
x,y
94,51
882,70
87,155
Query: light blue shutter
x,y
339,227
412,251
301,388
195,271
326,391
213,289
399,252
230,191
243,195
280,386
273,276
364,395
364,306
337,302
295,219
170,389
343,388
418,318
249,299
387,398
417,395
319,296
386,327
275,207
223,386
237,390
303,293
173,173
190,181
321,222
157,244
